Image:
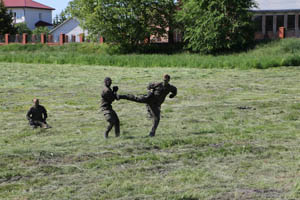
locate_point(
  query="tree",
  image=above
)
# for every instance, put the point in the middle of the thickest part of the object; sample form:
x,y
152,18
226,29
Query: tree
x,y
59,19
6,20
126,22
40,30
214,26
22,28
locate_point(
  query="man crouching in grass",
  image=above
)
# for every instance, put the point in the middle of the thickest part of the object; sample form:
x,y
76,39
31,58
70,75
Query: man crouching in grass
x,y
37,115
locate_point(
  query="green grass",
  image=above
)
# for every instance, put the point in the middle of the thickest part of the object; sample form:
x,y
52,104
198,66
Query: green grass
x,y
229,134
274,54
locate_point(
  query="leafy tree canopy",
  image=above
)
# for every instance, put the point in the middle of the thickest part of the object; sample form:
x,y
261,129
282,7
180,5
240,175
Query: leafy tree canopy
x,y
40,30
22,28
214,26
6,20
59,19
126,22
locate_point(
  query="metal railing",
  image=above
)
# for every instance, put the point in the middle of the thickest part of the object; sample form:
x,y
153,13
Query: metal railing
x,y
2,39
48,39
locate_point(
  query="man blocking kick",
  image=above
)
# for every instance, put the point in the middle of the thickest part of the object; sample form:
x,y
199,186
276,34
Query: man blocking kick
x,y
108,96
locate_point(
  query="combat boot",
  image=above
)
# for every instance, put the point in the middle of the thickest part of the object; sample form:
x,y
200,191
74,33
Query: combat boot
x,y
151,134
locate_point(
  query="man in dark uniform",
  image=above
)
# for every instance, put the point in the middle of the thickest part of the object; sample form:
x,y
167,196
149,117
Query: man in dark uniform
x,y
157,93
108,96
37,115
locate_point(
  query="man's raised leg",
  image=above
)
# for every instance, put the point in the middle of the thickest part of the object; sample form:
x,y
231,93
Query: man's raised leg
x,y
138,99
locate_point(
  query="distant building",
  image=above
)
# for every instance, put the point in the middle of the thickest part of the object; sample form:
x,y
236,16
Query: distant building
x,y
32,13
69,27
269,17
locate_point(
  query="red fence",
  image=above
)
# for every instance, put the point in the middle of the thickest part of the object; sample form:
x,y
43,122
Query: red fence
x,y
42,39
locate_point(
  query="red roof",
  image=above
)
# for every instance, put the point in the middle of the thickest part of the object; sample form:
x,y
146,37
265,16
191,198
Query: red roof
x,y
25,4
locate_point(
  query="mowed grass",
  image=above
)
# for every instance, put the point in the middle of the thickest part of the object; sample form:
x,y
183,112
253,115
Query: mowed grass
x,y
229,134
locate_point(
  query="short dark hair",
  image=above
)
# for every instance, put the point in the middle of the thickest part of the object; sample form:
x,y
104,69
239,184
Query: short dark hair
x,y
107,79
167,77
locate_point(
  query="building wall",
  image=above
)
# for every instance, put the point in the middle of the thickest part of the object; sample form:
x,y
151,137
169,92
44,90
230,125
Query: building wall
x,y
32,16
71,27
276,20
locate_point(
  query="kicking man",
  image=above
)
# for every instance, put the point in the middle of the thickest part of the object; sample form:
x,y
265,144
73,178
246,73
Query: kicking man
x,y
154,99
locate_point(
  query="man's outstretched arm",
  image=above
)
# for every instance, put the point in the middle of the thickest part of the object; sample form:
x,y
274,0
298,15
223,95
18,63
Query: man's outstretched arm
x,y
173,92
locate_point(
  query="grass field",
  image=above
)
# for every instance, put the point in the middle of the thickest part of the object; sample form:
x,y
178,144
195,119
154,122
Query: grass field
x,y
229,134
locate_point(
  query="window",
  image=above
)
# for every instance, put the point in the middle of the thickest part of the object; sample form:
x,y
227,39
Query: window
x,y
291,22
280,21
258,23
177,36
269,23
17,15
40,16
14,16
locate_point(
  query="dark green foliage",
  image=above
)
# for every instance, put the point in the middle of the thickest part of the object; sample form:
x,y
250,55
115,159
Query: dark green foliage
x,y
126,22
40,30
151,48
22,28
6,20
59,19
217,26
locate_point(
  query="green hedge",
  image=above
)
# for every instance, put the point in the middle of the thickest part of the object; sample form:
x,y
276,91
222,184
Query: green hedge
x,y
272,54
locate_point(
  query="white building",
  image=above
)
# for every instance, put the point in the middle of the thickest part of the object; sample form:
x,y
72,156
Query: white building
x,y
32,13
69,27
272,14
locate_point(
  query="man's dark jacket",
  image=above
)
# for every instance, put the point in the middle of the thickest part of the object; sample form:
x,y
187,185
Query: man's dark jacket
x,y
108,96
37,113
160,92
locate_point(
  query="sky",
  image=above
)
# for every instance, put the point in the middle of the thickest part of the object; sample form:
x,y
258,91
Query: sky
x,y
59,5
278,4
